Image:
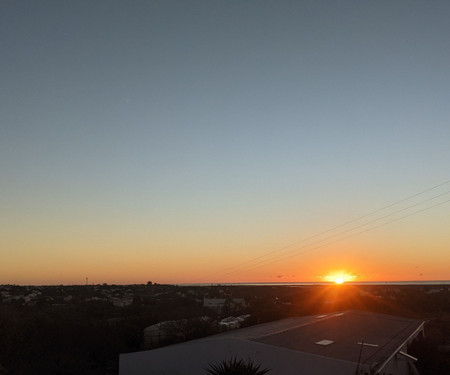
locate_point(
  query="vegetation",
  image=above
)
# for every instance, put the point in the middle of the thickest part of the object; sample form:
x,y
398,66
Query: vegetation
x,y
236,366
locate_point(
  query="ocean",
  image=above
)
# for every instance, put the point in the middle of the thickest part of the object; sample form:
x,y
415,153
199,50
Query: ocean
x,y
421,282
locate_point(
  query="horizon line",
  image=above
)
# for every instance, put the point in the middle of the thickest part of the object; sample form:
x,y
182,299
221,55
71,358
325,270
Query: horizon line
x,y
256,283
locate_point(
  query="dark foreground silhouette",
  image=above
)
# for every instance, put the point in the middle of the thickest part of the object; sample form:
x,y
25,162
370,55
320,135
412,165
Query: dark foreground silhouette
x,y
83,329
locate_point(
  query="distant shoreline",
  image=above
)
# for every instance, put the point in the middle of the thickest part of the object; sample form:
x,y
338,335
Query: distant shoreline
x,y
304,283
430,282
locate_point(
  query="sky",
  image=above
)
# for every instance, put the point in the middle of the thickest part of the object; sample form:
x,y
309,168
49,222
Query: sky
x,y
224,141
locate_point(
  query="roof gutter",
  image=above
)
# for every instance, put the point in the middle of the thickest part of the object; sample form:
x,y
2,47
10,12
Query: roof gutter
x,y
417,330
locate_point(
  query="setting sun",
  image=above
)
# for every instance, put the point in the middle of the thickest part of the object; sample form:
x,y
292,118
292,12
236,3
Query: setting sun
x,y
339,277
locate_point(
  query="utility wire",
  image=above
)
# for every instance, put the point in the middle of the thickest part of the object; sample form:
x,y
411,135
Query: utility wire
x,y
268,261
342,239
331,229
224,272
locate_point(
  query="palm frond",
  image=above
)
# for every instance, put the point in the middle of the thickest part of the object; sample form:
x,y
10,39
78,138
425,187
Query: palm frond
x,y
235,366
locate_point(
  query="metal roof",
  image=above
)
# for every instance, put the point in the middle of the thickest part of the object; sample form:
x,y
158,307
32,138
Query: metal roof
x,y
384,334
290,345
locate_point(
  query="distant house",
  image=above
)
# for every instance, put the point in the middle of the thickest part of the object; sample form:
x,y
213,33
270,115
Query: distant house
x,y
156,333
177,330
6,297
238,303
233,322
218,303
350,342
214,303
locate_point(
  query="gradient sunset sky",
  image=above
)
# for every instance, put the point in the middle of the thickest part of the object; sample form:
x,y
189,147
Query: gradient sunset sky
x,y
224,141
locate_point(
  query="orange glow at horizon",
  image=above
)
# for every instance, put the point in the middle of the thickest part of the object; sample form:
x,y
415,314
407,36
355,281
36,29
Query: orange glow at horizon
x,y
339,277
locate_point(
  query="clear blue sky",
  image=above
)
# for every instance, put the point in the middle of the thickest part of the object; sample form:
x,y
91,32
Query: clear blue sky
x,y
173,137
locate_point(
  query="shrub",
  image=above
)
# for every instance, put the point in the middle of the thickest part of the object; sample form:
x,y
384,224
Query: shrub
x,y
236,367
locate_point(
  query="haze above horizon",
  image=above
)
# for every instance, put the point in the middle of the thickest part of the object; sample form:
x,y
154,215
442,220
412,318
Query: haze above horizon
x,y
220,142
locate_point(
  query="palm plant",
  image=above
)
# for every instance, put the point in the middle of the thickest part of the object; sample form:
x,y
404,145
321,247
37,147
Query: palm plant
x,y
235,366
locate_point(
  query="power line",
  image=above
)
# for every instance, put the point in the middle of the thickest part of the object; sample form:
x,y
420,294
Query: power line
x,y
268,261
273,252
338,240
331,229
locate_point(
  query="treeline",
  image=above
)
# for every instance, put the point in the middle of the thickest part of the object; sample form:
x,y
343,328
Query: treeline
x,y
83,337
63,340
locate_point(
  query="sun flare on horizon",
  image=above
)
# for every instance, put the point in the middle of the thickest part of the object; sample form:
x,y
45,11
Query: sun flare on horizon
x,y
339,277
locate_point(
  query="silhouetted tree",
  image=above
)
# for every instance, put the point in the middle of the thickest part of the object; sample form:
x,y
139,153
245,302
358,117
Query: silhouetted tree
x,y
236,366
